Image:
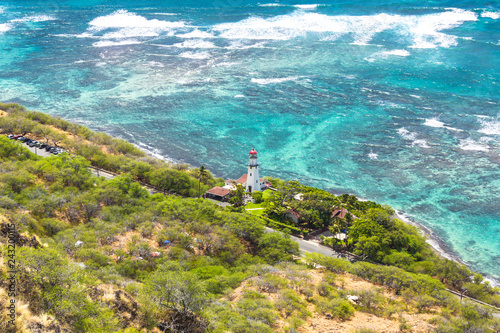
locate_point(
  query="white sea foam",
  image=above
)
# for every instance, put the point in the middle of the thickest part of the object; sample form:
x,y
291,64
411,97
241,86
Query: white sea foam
x,y
155,64
373,156
239,96
387,54
399,53
411,136
195,44
34,18
469,144
424,30
306,7
4,27
490,126
195,55
105,43
197,82
122,25
270,5
275,80
435,122
196,34
491,15
239,45
124,19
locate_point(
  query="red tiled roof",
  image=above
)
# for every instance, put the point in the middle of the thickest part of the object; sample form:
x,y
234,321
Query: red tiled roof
x,y
339,212
294,213
219,191
242,179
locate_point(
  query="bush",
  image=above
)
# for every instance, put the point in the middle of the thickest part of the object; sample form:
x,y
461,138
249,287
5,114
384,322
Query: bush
x,y
8,203
257,196
338,308
289,303
53,226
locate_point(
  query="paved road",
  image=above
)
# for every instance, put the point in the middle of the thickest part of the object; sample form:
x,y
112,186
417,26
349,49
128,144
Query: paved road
x,y
309,246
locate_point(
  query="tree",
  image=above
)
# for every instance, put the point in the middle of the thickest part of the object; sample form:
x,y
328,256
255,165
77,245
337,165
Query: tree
x,y
237,195
275,246
169,180
43,131
201,174
182,294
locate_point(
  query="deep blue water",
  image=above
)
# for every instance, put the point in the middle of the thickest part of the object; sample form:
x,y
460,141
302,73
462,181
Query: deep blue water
x,y
394,101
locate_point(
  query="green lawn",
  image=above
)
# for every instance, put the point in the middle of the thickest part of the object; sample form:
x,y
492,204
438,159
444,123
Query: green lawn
x,y
256,209
253,205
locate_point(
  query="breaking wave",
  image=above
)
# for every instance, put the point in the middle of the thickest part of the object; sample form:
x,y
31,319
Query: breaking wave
x,y
435,122
34,18
411,136
195,44
4,27
122,25
424,31
490,127
275,80
469,144
491,15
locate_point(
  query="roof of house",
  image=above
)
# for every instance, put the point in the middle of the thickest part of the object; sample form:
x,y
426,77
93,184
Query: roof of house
x,y
230,181
339,212
294,213
242,179
222,192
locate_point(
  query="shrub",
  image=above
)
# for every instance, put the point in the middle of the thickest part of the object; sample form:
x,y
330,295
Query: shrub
x,y
289,303
53,226
338,308
8,203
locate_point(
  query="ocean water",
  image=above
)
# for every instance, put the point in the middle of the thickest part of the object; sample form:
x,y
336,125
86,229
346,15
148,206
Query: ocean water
x,y
393,101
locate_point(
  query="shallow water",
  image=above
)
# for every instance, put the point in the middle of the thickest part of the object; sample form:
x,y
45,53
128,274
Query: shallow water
x,y
397,103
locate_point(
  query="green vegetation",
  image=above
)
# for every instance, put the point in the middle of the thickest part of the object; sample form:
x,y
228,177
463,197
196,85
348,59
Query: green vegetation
x,y
106,152
107,256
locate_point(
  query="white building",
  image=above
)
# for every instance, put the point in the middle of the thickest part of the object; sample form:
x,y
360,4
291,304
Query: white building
x,y
250,181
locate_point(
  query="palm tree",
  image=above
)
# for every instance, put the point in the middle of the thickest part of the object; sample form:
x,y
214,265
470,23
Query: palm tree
x,y
201,174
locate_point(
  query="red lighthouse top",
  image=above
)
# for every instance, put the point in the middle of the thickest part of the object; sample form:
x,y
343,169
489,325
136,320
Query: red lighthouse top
x,y
253,152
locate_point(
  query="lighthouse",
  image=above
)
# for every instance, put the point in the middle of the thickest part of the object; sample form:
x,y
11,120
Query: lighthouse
x,y
253,180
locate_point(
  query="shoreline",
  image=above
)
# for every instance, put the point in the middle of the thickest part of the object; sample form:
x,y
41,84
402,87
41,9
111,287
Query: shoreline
x,y
440,247
437,244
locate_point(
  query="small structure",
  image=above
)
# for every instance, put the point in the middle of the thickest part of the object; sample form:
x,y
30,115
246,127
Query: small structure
x,y
293,215
353,299
299,196
218,193
339,212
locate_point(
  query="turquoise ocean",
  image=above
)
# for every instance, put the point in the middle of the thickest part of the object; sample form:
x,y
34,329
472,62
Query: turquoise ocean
x,y
393,101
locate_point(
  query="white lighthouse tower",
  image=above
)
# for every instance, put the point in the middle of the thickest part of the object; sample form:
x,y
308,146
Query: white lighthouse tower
x,y
253,180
